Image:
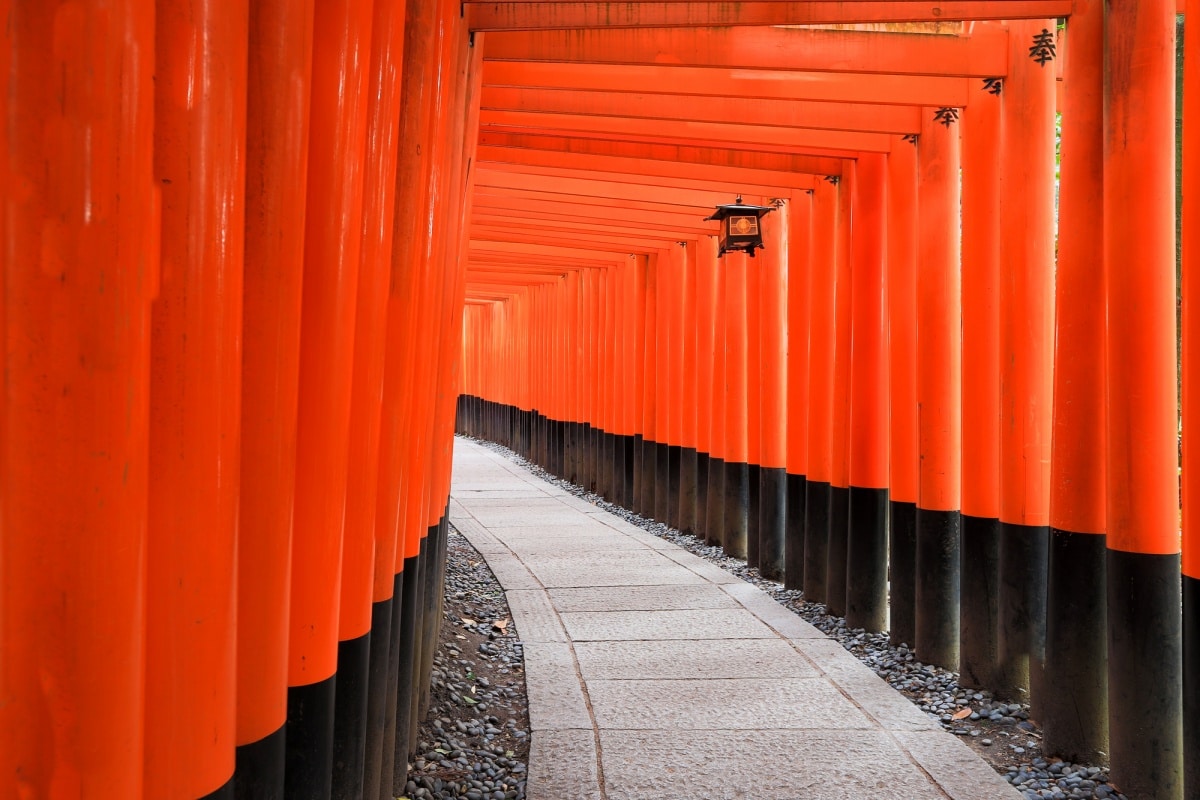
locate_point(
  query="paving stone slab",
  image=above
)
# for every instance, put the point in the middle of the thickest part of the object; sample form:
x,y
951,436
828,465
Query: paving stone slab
x,y
581,543
555,697
515,516
510,573
955,767
712,623
742,704
691,659
641,598
534,617
567,574
759,603
892,710
562,764
706,570
780,765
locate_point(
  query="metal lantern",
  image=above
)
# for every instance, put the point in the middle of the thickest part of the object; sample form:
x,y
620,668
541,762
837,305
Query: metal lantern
x,y
740,229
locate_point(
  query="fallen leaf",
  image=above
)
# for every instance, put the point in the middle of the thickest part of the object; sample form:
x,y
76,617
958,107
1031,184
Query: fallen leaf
x,y
468,621
470,700
962,713
459,636
500,625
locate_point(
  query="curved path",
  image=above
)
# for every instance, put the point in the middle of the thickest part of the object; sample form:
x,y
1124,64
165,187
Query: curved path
x,y
655,674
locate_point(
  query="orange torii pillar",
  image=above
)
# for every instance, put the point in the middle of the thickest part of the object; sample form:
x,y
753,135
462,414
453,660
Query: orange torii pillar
x,y
573,438
978,656
635,268
363,628
704,267
648,455
78,271
772,377
797,325
1074,710
821,394
939,425
1191,408
688,416
737,468
276,165
1145,656
754,377
839,495
675,382
332,243
195,401
902,343
1026,353
716,464
866,545
665,302
394,580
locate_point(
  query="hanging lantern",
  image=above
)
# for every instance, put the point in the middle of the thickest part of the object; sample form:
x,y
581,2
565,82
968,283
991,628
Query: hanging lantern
x,y
740,229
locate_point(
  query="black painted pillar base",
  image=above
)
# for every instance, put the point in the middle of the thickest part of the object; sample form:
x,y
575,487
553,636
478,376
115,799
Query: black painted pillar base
x,y
1023,557
753,521
979,636
405,677
1191,685
816,539
388,761
630,472
673,457
377,694
866,559
937,596
612,443
601,474
737,507
618,471
687,490
902,572
662,481
835,556
793,549
350,717
715,511
772,521
1074,713
308,762
1145,675
258,774
701,529
639,475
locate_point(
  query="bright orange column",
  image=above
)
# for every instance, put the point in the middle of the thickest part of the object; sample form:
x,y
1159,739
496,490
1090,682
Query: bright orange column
x,y
799,258
689,418
707,276
1026,352
1145,656
276,171
647,470
719,449
195,399
839,497
333,242
78,269
866,546
664,303
902,342
754,377
1191,407
1073,712
772,380
938,363
981,232
737,471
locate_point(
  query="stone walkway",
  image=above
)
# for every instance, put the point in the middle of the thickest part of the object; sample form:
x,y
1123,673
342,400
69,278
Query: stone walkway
x,y
655,674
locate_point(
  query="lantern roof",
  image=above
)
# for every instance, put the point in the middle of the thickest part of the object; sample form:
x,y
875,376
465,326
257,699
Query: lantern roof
x,y
738,208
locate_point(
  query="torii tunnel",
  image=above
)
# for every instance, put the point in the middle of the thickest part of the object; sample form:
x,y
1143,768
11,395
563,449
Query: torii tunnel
x,y
259,257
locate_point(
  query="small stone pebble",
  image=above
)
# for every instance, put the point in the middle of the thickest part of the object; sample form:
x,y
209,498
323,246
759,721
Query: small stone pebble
x,y
933,689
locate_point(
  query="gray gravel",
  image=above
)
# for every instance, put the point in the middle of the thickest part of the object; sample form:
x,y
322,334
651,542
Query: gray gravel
x,y
992,723
475,741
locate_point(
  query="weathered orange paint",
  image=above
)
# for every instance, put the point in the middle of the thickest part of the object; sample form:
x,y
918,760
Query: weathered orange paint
x,y
195,398
1077,473
78,270
1027,285
981,274
938,341
902,319
799,315
868,431
280,37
